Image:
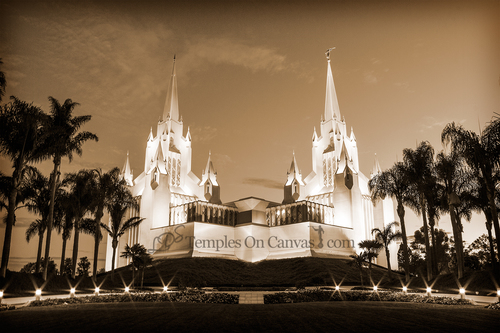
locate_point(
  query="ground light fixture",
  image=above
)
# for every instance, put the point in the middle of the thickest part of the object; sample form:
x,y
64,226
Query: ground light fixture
x,y
96,291
405,289
375,288
1,296
337,287
38,294
462,293
127,289
429,290
498,294
165,288
72,292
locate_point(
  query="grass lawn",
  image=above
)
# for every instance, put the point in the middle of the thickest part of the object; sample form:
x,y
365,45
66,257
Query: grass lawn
x,y
303,317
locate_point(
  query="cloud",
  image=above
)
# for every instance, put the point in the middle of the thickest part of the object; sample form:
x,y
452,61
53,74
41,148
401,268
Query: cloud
x,y
263,182
370,78
227,51
431,123
203,134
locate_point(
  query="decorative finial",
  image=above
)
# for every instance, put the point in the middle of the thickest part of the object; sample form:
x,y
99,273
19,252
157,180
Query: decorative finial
x,y
328,53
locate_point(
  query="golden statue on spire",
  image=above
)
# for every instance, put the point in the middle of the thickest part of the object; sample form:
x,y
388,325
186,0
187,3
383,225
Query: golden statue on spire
x,y
328,53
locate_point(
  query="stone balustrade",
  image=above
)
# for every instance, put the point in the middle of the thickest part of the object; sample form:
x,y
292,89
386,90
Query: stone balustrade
x,y
301,211
202,211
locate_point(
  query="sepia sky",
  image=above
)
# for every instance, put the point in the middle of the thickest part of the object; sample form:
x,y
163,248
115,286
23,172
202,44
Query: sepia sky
x,y
252,78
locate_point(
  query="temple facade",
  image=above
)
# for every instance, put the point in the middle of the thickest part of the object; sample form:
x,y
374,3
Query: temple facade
x,y
325,214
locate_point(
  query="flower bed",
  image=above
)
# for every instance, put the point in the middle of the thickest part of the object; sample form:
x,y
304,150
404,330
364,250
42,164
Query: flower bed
x,y
185,297
355,295
494,306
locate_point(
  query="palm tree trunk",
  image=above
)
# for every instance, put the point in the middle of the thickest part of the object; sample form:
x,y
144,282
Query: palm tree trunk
x,y
433,248
401,214
494,214
114,244
493,258
75,247
426,237
39,252
142,278
456,236
97,236
50,220
11,217
63,254
361,276
388,256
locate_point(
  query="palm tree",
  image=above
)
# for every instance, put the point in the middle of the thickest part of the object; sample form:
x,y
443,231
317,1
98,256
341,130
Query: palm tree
x,y
419,164
121,201
140,258
3,82
482,155
80,198
103,185
386,236
433,197
394,183
61,139
19,138
66,225
372,249
359,261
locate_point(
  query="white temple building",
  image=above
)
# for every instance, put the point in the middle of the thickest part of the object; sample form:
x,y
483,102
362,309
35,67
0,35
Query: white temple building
x,y
324,214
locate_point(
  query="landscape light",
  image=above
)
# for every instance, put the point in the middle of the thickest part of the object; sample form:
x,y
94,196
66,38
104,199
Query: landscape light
x,y
337,287
498,292
375,288
1,296
38,293
429,290
127,289
165,288
462,293
72,292
97,291
405,289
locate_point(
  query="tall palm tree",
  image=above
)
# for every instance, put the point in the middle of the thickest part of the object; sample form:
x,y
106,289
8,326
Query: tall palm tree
x,y
386,236
19,138
121,201
37,227
433,197
103,185
61,139
394,183
80,198
482,155
419,164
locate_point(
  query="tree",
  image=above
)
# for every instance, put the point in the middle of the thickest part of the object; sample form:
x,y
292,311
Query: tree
x,y
371,249
30,267
66,226
482,155
359,261
140,258
37,201
385,237
121,201
103,185
20,124
480,249
80,199
83,267
61,139
394,183
67,267
419,164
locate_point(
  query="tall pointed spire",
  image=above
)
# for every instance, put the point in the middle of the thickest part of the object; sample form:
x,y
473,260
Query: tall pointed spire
x,y
331,103
376,167
127,172
171,103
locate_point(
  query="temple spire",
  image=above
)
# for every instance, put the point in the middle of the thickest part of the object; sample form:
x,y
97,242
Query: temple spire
x,y
331,103
376,167
171,109
126,172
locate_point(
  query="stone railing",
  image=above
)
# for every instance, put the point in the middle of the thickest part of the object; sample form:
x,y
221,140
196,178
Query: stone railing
x,y
202,211
301,211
